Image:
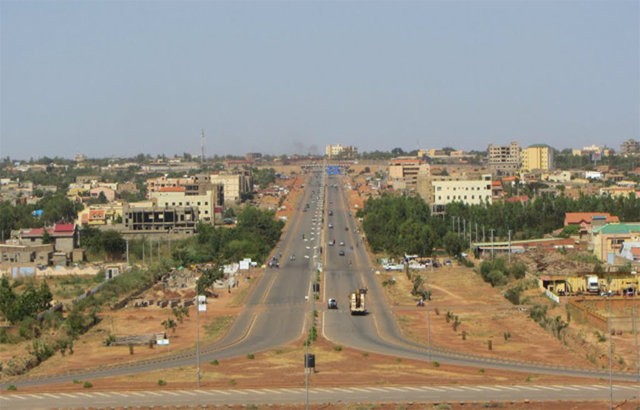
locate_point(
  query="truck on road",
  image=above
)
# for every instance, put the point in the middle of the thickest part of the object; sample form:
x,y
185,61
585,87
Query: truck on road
x,y
356,302
593,285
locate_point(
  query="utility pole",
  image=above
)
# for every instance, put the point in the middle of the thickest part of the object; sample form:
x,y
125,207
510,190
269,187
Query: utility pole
x,y
483,237
201,303
126,241
509,246
610,353
476,232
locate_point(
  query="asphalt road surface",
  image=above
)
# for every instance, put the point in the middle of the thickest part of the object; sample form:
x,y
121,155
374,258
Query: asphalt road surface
x,y
279,305
416,394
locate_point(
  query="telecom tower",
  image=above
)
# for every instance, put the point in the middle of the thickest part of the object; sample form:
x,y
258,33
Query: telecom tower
x,y
202,147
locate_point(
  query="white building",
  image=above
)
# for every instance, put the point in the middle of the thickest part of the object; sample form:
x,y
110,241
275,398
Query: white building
x,y
466,191
344,151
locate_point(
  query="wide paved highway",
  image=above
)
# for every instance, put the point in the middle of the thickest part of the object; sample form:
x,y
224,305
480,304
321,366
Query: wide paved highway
x,y
277,309
360,394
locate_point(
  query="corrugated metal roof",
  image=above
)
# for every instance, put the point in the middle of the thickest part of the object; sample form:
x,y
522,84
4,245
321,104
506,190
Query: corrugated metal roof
x,y
619,228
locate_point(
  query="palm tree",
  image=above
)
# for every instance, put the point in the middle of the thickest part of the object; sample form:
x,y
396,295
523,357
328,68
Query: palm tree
x,y
170,324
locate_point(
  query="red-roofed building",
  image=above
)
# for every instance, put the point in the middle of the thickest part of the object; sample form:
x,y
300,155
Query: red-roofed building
x,y
64,237
587,220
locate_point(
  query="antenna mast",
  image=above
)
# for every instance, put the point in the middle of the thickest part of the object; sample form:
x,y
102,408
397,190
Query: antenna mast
x,y
202,147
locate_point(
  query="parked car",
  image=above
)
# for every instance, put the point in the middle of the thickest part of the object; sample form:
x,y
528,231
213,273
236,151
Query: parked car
x,y
332,304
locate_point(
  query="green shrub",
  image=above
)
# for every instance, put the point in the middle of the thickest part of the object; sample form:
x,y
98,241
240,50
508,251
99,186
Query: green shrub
x,y
162,382
87,385
251,356
12,387
214,362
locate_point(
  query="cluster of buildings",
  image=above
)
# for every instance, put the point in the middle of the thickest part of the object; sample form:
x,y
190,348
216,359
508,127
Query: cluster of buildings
x,y
506,169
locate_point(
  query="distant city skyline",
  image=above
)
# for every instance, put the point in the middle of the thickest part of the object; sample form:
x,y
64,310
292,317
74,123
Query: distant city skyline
x,y
107,78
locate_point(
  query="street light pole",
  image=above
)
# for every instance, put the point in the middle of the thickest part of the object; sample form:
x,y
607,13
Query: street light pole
x,y
610,354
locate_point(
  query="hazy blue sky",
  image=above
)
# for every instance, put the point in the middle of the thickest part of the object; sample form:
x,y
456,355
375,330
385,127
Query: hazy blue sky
x,y
119,78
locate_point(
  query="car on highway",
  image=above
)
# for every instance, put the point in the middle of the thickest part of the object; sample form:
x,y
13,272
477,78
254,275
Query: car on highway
x,y
332,242
330,226
341,243
341,253
332,304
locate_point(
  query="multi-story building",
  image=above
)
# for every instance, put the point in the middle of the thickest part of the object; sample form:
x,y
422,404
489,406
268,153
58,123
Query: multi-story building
x,y
147,217
404,172
439,190
630,147
101,214
537,157
208,204
607,240
504,159
342,151
234,185
64,238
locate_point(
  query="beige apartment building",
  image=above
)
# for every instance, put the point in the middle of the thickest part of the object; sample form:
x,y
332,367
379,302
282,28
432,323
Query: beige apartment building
x,y
234,185
537,157
404,172
208,204
504,159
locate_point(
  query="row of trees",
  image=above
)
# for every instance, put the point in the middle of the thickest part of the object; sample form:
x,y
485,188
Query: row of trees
x,y
255,234
403,224
541,215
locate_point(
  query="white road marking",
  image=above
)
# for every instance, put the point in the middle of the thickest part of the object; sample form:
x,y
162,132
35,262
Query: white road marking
x,y
627,387
549,388
452,388
256,391
569,388
73,396
102,394
528,388
497,388
342,390
413,388
272,391
4,398
579,386
137,393
359,389
472,388
214,392
395,389
53,396
239,392
154,393
187,392
172,393
377,389
431,388
88,395
322,390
